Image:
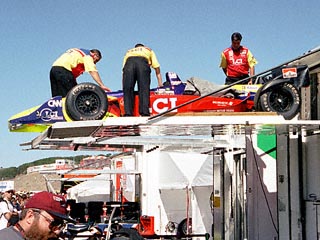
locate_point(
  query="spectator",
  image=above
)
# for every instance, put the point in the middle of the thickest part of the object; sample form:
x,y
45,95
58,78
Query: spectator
x,y
15,203
21,199
71,65
136,68
7,211
42,218
237,62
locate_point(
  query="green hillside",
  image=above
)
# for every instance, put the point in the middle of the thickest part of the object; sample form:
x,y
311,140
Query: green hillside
x,y
11,172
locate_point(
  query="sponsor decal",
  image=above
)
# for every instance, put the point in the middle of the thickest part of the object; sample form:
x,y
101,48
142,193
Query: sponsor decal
x,y
163,104
289,72
54,103
237,61
222,103
48,114
250,87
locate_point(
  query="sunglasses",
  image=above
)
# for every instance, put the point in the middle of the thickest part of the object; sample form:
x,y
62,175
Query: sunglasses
x,y
54,224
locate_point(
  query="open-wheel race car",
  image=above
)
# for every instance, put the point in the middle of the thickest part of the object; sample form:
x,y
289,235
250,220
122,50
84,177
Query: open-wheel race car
x,y
276,91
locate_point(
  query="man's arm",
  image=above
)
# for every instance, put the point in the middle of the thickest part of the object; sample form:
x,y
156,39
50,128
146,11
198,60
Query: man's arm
x,y
225,71
252,62
4,210
223,63
159,77
252,71
95,75
7,215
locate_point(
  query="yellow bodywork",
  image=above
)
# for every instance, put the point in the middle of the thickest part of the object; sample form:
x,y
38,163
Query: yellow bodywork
x,y
34,127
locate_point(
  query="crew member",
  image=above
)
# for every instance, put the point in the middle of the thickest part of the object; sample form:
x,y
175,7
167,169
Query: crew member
x,y
71,65
237,62
136,68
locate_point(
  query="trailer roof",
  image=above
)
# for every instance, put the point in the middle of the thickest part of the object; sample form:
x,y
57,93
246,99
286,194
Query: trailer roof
x,y
312,60
199,132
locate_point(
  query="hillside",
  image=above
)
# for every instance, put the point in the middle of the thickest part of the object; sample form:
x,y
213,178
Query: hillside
x,y
12,172
36,182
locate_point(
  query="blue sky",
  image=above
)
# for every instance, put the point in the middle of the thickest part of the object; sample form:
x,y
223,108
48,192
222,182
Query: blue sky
x,y
187,36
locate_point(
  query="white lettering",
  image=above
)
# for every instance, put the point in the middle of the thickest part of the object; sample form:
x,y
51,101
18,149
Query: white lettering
x,y
167,103
173,102
47,115
55,103
238,61
155,105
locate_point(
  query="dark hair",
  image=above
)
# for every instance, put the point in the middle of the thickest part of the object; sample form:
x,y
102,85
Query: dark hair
x,y
236,36
96,51
139,45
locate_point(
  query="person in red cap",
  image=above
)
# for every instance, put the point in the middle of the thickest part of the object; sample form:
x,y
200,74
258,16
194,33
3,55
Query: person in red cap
x,y
42,218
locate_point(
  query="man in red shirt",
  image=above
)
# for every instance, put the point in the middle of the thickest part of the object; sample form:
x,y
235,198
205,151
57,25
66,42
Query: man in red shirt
x,y
237,62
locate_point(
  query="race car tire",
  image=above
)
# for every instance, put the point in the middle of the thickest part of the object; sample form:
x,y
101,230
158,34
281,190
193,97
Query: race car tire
x,y
256,100
126,234
86,101
284,99
183,227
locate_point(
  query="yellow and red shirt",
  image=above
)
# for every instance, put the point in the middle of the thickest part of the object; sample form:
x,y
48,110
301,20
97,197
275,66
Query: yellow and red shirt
x,y
76,60
145,52
237,63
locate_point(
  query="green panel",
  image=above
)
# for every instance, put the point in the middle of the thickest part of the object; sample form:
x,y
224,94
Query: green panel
x,y
267,142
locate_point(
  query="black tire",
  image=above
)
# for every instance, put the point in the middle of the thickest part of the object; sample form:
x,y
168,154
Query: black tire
x,y
86,101
183,227
256,100
285,100
126,234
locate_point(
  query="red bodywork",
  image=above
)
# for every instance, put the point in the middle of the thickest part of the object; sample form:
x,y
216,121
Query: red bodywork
x,y
163,102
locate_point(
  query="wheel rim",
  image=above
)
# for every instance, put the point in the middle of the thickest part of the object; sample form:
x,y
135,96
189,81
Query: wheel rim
x,y
280,101
88,103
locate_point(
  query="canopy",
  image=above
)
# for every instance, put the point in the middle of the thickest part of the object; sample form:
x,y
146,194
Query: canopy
x,y
95,189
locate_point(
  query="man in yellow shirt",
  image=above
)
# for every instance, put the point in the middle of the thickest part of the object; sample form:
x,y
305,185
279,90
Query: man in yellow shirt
x,y
136,68
71,65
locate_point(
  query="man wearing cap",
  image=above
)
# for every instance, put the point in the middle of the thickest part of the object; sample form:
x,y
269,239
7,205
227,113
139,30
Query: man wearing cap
x,y
6,209
42,218
237,62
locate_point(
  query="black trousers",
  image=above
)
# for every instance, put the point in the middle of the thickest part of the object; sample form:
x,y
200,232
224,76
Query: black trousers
x,y
230,80
61,80
136,69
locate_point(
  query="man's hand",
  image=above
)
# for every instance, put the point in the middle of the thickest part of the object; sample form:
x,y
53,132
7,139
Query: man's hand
x,y
106,88
96,77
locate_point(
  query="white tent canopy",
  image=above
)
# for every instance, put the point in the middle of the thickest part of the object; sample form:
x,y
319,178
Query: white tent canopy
x,y
95,189
186,183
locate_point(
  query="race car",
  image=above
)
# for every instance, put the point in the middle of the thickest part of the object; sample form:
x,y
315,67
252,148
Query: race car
x,y
277,91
